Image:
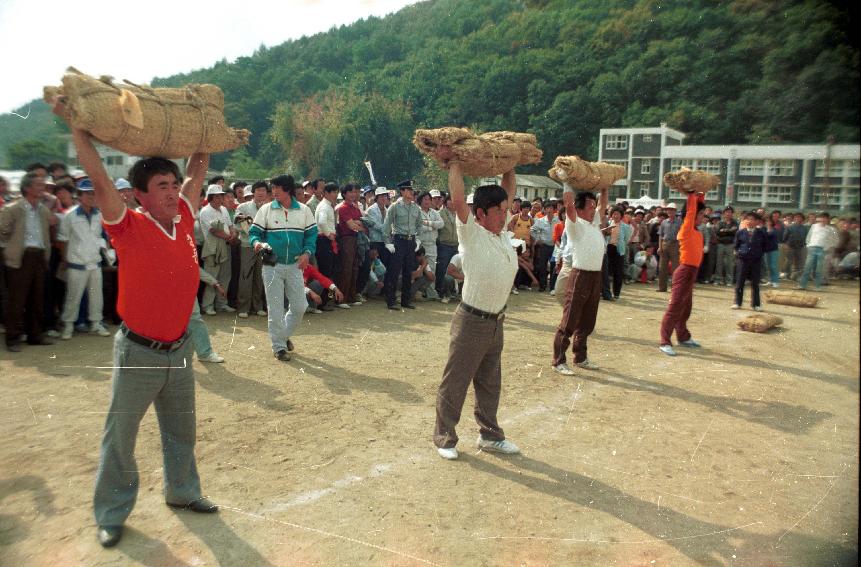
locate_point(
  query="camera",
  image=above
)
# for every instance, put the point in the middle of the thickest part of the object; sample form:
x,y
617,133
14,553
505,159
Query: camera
x,y
268,256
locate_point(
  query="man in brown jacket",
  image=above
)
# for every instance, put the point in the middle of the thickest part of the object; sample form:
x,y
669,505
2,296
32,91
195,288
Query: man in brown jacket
x,y
24,227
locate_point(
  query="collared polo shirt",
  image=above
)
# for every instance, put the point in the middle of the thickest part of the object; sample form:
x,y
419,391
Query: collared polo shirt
x,y
325,217
83,234
586,242
158,272
489,265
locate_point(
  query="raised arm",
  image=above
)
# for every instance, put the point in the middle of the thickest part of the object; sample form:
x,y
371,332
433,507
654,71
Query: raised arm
x,y
195,174
108,199
509,183
603,197
568,201
456,190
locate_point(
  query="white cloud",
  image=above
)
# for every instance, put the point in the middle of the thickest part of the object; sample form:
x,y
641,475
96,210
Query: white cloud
x,y
139,41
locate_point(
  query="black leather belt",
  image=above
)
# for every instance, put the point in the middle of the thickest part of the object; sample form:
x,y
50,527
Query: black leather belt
x,y
151,343
482,314
405,236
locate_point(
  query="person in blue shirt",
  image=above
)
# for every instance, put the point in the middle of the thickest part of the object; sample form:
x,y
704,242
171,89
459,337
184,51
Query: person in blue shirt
x,y
750,244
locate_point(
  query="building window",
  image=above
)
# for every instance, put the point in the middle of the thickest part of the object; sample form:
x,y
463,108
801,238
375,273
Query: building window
x,y
713,195
750,167
113,160
781,167
646,166
677,164
617,143
647,138
837,168
779,194
709,166
645,188
748,192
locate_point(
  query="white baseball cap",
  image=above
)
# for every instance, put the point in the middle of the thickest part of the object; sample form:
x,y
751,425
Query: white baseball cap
x,y
435,193
670,206
214,190
122,184
380,191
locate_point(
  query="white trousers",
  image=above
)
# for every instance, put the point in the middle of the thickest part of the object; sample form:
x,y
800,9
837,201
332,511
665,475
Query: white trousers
x,y
76,282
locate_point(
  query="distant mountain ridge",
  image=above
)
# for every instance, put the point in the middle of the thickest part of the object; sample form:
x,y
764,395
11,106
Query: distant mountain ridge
x,y
733,72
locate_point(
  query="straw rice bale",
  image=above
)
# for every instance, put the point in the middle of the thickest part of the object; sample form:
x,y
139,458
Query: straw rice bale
x,y
690,180
586,175
791,297
142,121
483,155
759,322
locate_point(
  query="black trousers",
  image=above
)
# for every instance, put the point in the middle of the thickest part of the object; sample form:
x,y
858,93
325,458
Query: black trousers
x,y
26,302
605,278
402,263
326,260
615,268
542,256
747,270
364,272
444,254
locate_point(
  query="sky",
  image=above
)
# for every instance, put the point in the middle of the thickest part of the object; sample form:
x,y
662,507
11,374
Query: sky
x,y
39,39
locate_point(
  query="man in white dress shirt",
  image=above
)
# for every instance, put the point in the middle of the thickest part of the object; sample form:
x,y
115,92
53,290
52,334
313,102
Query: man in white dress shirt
x,y
218,235
489,266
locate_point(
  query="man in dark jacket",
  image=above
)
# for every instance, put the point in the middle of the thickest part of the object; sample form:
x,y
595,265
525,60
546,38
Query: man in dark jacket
x,y
750,242
726,231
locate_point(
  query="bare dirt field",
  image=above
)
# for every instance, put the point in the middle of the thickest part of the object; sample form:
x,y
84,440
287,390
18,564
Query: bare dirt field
x,y
744,452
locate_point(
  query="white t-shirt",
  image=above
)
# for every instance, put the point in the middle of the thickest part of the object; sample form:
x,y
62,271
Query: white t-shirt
x,y
586,242
209,215
489,264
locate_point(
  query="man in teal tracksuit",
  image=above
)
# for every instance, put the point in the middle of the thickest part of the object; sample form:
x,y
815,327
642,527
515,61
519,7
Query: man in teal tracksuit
x,y
287,227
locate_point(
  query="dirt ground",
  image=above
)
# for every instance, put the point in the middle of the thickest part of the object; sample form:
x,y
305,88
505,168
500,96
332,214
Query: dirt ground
x,y
744,452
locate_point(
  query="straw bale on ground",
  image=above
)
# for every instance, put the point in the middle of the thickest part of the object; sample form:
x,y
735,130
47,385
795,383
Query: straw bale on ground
x,y
791,297
759,322
142,121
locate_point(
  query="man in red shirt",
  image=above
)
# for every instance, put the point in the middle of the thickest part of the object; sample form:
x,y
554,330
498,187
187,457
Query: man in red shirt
x,y
349,223
158,282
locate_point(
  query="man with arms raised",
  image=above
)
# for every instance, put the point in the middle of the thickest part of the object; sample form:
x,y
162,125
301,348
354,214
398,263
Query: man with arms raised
x,y
583,289
489,266
158,282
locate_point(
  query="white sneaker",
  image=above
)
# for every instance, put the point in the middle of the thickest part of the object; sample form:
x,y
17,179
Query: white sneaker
x,y
100,330
360,298
314,311
68,330
668,350
243,315
505,446
343,306
356,304
757,308
690,343
261,313
514,291
445,300
552,292
587,364
213,357
448,454
228,309
735,306
563,369
210,311
52,333
775,285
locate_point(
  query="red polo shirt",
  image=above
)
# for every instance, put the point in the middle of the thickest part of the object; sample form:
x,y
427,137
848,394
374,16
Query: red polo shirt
x,y
158,272
346,211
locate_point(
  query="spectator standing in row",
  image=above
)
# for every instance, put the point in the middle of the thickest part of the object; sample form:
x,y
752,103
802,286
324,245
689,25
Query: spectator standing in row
x,y
24,226
446,245
327,244
668,245
218,234
250,297
726,231
431,224
81,244
400,230
772,250
794,247
349,224
375,218
316,187
750,244
617,248
542,238
821,238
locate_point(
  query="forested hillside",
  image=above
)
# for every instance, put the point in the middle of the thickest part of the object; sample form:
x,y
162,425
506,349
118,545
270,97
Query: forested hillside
x,y
744,71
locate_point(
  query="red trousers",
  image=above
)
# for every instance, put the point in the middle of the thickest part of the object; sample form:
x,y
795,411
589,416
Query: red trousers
x,y
681,301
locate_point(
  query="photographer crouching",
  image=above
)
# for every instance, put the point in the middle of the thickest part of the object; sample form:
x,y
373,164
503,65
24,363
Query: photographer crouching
x,y
284,233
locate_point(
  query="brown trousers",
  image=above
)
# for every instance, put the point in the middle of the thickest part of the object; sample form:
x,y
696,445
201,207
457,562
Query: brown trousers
x,y
669,254
26,291
348,253
679,308
578,316
474,355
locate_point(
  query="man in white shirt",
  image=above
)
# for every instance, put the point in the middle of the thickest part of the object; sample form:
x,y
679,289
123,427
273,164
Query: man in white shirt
x,y
489,266
583,229
250,293
326,237
218,235
821,238
81,242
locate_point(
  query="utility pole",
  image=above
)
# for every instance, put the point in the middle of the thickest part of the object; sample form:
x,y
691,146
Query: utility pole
x,y
827,189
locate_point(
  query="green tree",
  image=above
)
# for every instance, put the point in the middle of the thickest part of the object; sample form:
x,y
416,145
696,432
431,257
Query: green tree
x,y
21,154
244,166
